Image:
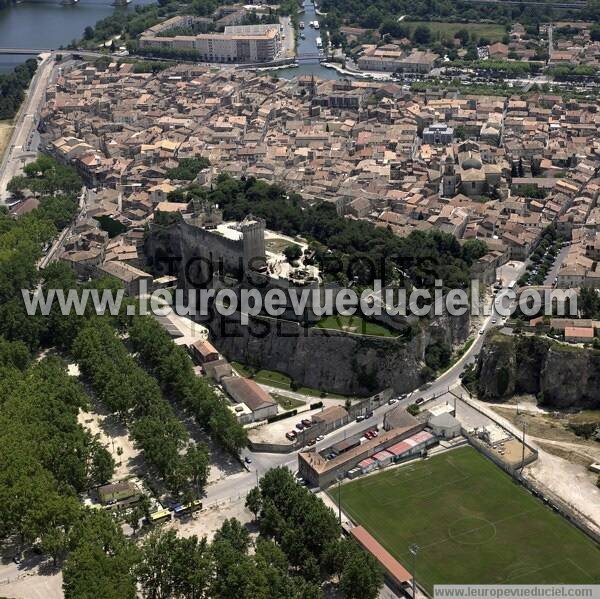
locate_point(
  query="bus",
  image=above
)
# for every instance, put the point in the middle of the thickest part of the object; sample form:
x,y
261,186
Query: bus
x,y
188,508
159,516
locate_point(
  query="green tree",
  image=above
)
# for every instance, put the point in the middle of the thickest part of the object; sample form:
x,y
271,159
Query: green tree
x,y
463,36
422,35
292,252
361,576
173,568
254,501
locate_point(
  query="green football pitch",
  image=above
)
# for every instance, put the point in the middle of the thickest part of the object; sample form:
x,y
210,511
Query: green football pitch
x,y
472,522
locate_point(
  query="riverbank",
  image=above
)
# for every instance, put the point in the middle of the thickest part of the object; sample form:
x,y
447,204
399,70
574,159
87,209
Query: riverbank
x,y
50,24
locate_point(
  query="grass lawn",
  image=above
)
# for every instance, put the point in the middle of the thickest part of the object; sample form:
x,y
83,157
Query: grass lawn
x,y
472,522
278,244
278,379
287,403
490,31
355,324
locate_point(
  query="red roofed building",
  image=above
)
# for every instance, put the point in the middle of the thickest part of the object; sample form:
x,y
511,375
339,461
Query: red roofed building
x,y
204,351
367,465
579,334
383,458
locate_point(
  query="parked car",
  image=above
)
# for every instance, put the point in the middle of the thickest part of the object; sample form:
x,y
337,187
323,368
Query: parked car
x,y
291,435
368,414
248,460
300,426
307,423
311,442
391,401
360,418
419,401
320,437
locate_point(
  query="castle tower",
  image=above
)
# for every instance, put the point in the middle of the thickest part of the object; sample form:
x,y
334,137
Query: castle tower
x,y
253,231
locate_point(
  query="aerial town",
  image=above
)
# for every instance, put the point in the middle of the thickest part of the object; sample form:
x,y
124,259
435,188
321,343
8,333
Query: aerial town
x,y
161,437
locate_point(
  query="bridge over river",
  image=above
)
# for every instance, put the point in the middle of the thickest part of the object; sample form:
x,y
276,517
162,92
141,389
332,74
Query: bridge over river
x,y
25,51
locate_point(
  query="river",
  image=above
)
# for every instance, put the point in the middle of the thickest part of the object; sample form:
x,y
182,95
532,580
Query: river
x,y
49,24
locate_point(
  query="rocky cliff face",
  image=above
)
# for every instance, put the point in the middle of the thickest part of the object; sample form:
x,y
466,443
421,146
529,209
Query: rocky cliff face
x,y
331,360
565,376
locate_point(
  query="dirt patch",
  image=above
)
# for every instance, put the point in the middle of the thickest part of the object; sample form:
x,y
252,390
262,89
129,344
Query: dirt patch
x,y
545,426
6,128
572,483
207,522
574,456
114,436
35,585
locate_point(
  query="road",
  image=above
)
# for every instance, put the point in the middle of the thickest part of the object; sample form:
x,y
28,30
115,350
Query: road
x,y
288,43
24,143
553,272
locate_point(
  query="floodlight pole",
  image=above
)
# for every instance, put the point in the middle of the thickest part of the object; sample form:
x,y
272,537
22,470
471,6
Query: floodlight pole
x,y
524,425
414,549
339,483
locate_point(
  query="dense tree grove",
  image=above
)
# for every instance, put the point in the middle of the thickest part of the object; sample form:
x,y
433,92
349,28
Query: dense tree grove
x,y
21,244
47,177
373,13
345,249
188,168
101,560
46,457
172,366
13,85
128,391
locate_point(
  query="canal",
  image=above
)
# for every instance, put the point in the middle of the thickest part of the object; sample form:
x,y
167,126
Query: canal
x,y
49,24
307,50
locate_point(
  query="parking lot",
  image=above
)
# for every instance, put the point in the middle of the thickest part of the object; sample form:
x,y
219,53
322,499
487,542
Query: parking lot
x,y
275,432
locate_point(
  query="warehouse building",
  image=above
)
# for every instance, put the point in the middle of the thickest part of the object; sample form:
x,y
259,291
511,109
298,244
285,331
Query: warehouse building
x,y
253,403
320,471
330,418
